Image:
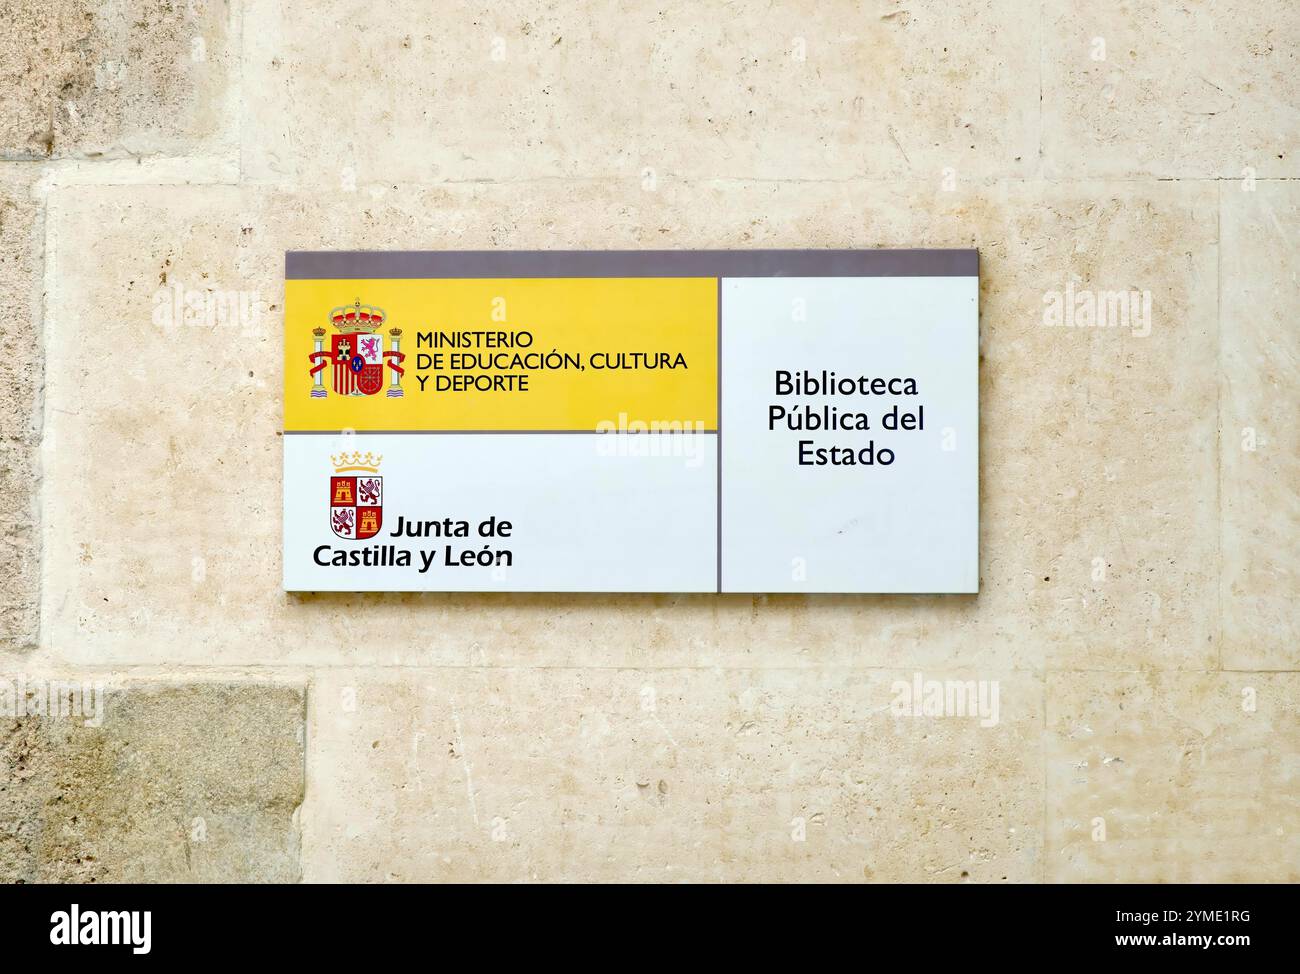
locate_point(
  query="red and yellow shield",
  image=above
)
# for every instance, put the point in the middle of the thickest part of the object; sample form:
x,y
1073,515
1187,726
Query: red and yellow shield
x,y
358,359
356,506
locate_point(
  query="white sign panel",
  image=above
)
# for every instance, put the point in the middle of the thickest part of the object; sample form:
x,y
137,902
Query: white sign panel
x,y
627,421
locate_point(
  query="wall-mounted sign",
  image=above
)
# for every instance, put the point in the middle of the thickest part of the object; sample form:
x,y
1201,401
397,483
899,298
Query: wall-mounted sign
x,y
632,421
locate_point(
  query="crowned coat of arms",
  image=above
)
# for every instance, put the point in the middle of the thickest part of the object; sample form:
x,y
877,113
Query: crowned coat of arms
x,y
356,496
356,355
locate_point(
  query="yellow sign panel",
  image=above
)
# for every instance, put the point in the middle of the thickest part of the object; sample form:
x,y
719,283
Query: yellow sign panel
x,y
558,354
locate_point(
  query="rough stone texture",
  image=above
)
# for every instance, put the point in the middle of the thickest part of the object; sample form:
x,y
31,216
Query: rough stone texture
x,y
1185,89
1260,443
20,367
686,89
1091,438
1123,526
676,775
1097,445
192,783
115,77
1193,786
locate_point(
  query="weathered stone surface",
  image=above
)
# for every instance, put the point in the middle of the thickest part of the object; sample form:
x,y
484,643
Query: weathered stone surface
x,y
1260,444
1170,89
122,77
1124,525
192,783
520,90
20,370
1188,782
1093,438
1098,518
674,775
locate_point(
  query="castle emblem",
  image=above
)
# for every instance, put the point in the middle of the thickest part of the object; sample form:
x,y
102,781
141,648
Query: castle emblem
x,y
356,354
356,496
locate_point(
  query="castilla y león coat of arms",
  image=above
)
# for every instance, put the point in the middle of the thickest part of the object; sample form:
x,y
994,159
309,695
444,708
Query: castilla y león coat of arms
x,y
356,496
356,353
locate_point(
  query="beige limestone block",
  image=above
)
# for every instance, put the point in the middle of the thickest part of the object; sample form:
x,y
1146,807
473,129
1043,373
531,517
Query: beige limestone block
x,y
117,78
1170,89
1098,449
162,511
1260,444
646,94
1172,777
20,378
676,775
163,783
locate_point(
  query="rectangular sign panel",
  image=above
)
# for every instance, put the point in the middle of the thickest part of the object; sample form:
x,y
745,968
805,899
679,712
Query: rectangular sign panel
x,y
632,421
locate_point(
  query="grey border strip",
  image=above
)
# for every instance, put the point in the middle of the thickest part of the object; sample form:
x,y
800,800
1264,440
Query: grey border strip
x,y
307,265
361,432
717,422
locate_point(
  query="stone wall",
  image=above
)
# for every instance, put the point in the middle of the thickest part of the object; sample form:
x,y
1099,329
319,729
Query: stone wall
x,y
1139,485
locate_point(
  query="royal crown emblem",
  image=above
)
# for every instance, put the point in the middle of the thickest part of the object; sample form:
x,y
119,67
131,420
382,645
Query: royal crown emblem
x,y
356,496
356,353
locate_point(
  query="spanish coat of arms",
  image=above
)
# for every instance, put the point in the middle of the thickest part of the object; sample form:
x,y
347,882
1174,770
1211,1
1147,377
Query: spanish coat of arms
x,y
356,356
